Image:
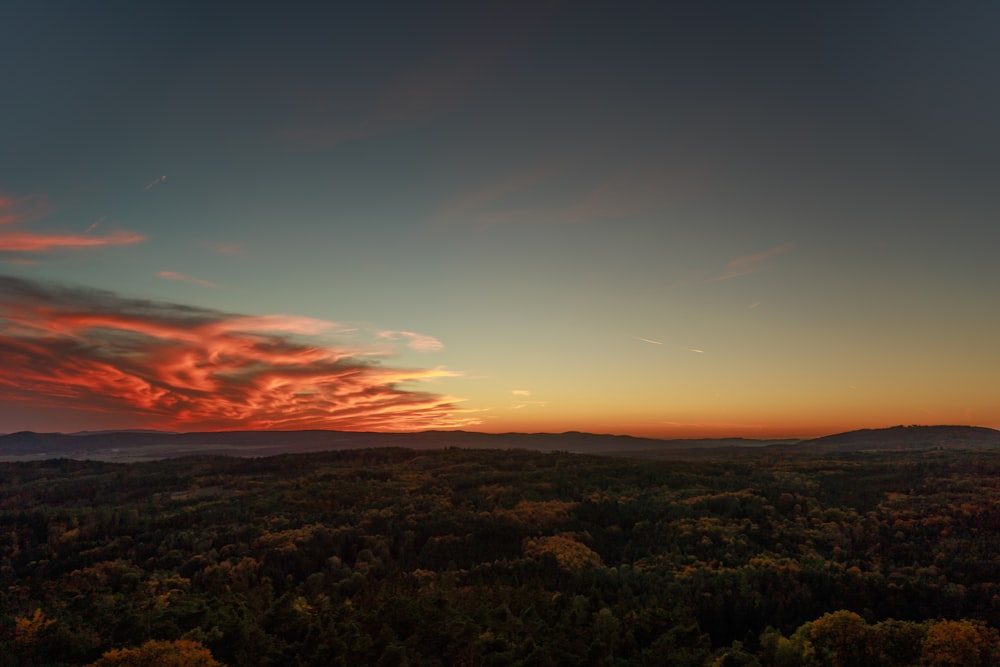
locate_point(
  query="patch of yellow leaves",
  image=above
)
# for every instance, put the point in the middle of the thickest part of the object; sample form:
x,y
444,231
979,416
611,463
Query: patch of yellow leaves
x,y
570,553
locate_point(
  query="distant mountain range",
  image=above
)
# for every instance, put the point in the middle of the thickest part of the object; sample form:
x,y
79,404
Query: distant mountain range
x,y
147,445
908,437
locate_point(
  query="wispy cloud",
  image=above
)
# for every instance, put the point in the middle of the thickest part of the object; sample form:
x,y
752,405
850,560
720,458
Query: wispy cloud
x,y
480,204
32,242
625,192
173,275
416,341
153,183
620,192
182,367
228,249
521,401
742,266
647,340
95,224
16,212
437,83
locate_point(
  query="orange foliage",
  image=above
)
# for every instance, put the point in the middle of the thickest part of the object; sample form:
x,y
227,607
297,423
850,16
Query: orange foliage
x,y
537,513
960,644
570,553
180,653
26,630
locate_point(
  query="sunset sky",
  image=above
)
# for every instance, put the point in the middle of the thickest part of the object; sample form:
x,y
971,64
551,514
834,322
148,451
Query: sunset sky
x,y
665,219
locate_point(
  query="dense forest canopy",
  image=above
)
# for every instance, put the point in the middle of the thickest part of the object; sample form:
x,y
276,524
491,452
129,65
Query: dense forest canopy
x,y
485,557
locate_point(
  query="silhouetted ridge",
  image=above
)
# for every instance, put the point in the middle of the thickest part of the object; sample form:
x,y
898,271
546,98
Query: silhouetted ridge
x,y
139,445
907,437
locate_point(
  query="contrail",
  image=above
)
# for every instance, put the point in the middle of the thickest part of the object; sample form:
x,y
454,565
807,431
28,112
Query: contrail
x,y
648,340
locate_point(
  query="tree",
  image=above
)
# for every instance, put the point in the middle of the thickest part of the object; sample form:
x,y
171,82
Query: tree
x,y
180,653
840,638
960,644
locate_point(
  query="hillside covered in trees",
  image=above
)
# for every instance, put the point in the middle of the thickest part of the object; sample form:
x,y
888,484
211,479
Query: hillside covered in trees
x,y
485,557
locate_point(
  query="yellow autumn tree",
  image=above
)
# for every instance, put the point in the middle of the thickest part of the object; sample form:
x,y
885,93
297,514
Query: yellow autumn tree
x,y
841,639
155,653
960,644
28,629
570,553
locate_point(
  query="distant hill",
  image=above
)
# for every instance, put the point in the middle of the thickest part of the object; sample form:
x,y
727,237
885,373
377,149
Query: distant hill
x,y
146,445
906,438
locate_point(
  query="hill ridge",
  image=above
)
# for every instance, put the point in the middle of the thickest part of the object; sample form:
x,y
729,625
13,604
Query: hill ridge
x,y
131,445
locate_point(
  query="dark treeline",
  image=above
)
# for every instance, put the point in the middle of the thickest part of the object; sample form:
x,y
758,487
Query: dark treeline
x,y
466,557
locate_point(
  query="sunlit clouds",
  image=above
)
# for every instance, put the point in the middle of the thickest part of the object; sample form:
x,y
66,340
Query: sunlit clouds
x,y
414,341
188,368
521,400
32,242
642,215
16,212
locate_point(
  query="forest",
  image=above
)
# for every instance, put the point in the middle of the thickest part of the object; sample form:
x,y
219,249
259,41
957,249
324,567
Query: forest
x,y
394,556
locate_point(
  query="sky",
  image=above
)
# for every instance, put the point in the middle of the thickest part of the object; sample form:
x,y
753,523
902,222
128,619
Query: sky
x,y
664,219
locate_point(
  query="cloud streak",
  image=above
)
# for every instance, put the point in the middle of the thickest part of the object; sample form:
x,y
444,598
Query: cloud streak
x,y
32,242
416,341
15,212
153,183
435,85
186,368
619,193
180,277
742,266
647,340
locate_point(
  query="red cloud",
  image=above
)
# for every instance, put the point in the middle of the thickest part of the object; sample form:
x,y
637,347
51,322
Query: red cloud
x,y
17,211
31,242
189,368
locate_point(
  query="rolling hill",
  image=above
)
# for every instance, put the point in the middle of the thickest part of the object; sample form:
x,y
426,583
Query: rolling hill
x,y
146,445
